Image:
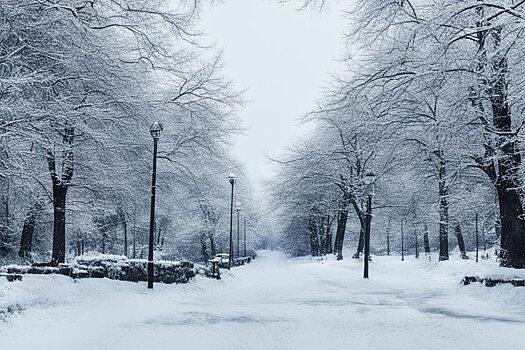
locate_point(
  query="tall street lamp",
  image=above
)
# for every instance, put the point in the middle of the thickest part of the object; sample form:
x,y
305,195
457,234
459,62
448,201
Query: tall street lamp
x,y
369,181
402,242
245,237
417,244
238,210
231,178
155,131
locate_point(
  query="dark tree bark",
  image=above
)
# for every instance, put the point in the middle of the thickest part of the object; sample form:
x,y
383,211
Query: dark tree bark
x,y
328,241
204,248
60,187
59,223
340,233
417,244
314,241
104,239
504,169
134,238
509,163
443,205
426,241
212,244
124,222
26,241
322,236
159,232
461,241
125,239
362,221
360,243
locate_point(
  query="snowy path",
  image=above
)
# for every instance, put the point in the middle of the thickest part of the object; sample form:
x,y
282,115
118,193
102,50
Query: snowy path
x,y
273,303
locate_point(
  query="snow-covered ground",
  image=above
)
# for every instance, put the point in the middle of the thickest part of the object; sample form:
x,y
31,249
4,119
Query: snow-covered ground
x,y
273,303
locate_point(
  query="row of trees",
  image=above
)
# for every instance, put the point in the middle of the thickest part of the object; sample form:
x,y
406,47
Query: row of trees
x,y
431,102
81,81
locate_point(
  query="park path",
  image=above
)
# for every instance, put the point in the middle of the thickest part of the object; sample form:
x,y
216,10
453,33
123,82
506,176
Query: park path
x,y
273,303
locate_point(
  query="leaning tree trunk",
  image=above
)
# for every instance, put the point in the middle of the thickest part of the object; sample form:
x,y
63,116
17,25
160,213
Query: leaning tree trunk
x,y
362,217
26,241
461,241
443,205
340,233
360,243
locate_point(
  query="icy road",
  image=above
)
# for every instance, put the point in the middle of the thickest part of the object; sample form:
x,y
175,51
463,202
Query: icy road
x,y
273,303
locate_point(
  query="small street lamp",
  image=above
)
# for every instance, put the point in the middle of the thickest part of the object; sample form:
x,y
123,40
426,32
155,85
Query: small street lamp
x,y
231,178
155,130
370,182
238,210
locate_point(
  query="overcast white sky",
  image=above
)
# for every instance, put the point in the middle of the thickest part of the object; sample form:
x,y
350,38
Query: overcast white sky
x,y
283,58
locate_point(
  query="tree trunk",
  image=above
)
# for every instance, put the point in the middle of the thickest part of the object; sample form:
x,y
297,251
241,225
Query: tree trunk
x,y
443,206
417,244
493,63
426,241
461,242
134,237
362,221
361,242
321,233
314,242
204,249
60,186
158,235
104,238
212,244
26,241
340,233
328,234
59,224
125,238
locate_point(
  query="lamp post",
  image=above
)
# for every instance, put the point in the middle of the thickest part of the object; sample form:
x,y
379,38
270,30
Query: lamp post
x,y
477,238
417,244
369,181
402,242
155,131
245,237
238,210
231,178
388,237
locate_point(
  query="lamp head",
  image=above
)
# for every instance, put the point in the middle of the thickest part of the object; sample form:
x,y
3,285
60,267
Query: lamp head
x,y
232,178
155,130
369,180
